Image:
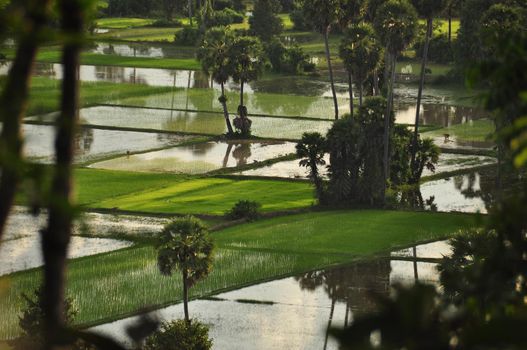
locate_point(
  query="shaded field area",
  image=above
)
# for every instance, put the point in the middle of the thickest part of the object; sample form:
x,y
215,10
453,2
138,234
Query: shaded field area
x,y
120,283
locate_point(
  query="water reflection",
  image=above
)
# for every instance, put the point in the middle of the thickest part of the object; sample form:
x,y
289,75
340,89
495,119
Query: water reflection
x,y
296,312
200,158
140,50
91,144
440,114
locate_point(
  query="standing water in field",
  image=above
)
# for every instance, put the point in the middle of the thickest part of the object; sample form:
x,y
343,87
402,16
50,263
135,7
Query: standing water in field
x,y
295,312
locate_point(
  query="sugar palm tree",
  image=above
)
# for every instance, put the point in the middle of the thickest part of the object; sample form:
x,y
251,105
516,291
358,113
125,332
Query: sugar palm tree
x,y
427,9
361,55
214,55
395,24
184,244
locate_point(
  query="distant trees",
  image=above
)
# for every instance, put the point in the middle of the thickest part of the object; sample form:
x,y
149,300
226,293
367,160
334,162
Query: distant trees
x,y
264,22
184,244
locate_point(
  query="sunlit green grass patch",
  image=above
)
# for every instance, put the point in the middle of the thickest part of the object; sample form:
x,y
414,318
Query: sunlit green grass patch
x,y
214,196
123,22
343,232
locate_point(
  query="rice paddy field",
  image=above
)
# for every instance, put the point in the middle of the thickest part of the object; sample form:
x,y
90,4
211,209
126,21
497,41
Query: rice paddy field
x,y
152,147
116,284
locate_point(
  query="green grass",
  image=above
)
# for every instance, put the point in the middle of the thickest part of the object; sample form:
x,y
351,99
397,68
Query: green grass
x,y
116,284
213,196
478,130
53,55
342,232
94,185
120,23
142,34
45,93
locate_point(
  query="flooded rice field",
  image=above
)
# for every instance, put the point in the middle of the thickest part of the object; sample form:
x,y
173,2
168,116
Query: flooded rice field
x,y
20,248
91,144
26,253
22,224
191,122
291,169
140,50
295,312
200,158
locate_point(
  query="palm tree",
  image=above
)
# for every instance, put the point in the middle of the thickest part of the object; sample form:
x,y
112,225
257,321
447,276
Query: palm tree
x,y
361,56
322,14
428,9
395,25
214,55
312,149
184,244
246,60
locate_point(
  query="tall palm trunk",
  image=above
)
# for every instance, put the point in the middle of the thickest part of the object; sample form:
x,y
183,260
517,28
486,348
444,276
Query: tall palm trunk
x,y
241,92
185,296
420,92
56,237
13,103
450,24
376,89
190,12
386,138
361,89
225,111
330,68
350,82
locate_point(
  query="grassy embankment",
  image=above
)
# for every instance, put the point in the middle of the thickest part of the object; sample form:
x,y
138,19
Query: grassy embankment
x,y
52,54
45,93
113,285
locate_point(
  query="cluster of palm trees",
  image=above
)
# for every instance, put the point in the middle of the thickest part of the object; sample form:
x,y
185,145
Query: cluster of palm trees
x,y
224,55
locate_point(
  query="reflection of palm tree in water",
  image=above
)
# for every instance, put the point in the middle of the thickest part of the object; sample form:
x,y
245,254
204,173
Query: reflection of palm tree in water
x,y
413,198
352,284
83,141
241,153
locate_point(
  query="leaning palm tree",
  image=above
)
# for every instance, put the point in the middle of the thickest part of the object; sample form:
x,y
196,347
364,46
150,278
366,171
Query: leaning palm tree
x,y
184,244
396,25
214,55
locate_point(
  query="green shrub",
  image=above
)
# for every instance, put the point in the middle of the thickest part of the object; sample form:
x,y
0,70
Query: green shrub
x,y
244,209
287,59
299,20
188,37
180,335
